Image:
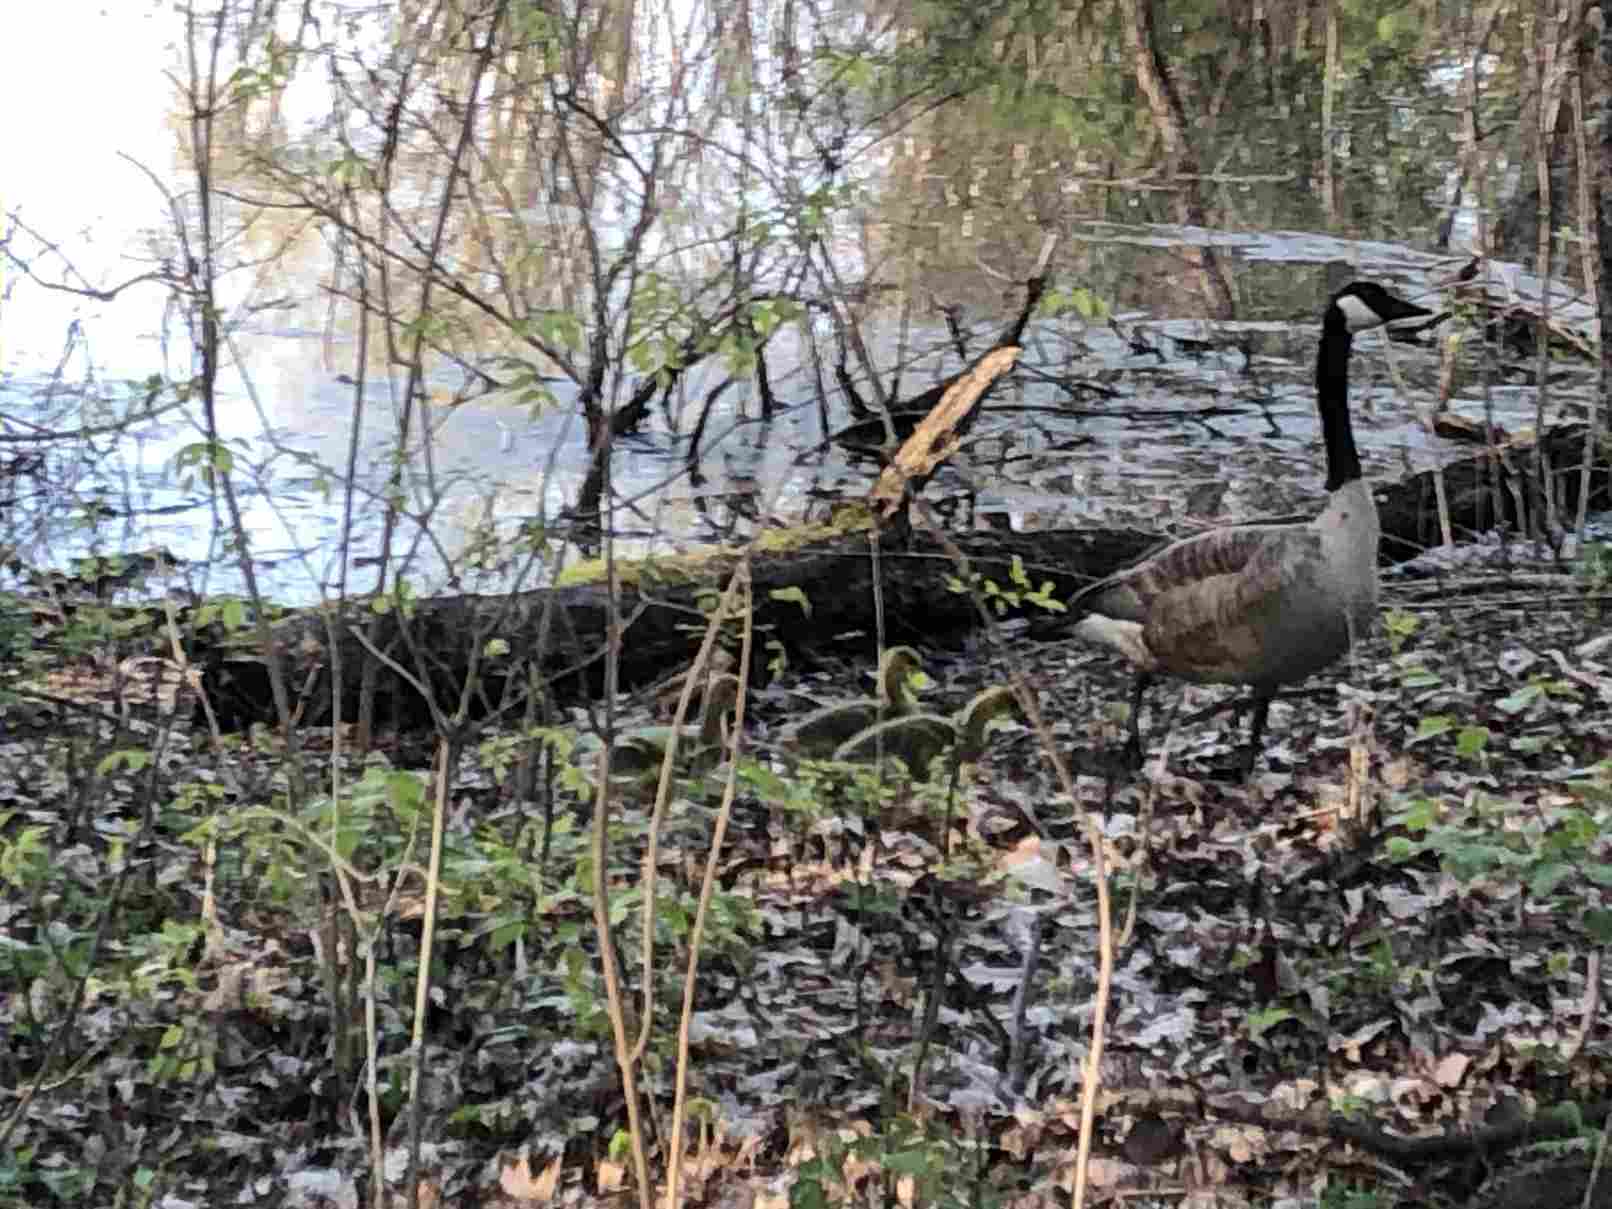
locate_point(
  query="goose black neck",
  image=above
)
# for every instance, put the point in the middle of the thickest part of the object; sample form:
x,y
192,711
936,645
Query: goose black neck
x,y
1332,399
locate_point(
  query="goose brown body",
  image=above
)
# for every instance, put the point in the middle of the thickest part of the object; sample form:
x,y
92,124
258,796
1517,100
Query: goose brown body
x,y
639,752
917,739
1263,604
820,732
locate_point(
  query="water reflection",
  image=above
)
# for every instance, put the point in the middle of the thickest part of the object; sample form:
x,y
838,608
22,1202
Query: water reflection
x,y
1151,421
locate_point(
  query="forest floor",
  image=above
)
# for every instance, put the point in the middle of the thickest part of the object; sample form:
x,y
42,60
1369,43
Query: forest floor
x,y
1367,975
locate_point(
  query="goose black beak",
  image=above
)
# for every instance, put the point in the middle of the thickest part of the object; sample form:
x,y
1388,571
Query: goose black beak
x,y
1397,311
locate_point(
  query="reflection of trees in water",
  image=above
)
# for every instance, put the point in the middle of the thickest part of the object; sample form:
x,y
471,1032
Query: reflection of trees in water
x,y
619,197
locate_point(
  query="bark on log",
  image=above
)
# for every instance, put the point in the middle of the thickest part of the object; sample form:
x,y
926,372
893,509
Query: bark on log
x,y
1490,489
835,577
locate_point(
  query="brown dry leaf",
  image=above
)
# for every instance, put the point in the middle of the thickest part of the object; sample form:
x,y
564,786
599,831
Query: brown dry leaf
x,y
710,1159
612,1176
856,1170
1396,774
1067,1111
1064,1181
1239,1143
243,986
1026,850
1449,1070
802,1142
745,1156
1020,1140
1351,1045
518,1182
1105,1173
1411,1091
1295,1095
906,1191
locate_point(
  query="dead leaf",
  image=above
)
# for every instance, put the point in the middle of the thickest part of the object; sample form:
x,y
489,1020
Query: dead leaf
x,y
1451,1069
612,1176
1105,1173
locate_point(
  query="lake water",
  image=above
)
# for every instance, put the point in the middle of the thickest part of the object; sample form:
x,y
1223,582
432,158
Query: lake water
x,y
1215,422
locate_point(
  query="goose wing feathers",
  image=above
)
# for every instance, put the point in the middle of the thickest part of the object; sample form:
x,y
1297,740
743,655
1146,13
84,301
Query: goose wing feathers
x,y
1251,552
1236,604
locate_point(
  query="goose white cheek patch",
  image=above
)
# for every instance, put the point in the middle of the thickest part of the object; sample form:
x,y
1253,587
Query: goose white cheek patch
x,y
1357,314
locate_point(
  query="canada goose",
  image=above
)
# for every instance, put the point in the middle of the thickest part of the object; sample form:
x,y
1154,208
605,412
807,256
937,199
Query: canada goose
x,y
1263,604
822,731
917,739
640,751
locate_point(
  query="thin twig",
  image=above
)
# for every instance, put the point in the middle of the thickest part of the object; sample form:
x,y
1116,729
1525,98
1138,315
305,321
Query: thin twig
x,y
674,1139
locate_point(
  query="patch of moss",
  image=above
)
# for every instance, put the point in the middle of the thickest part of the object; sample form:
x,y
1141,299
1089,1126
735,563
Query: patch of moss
x,y
708,563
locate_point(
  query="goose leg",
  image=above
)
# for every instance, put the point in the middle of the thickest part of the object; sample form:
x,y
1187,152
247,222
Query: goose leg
x,y
1256,732
1133,746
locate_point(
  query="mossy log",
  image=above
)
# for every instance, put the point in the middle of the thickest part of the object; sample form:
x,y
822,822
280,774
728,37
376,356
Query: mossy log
x,y
813,597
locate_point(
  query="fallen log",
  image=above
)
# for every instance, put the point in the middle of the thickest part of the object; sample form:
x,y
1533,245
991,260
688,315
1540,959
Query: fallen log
x,y
1518,485
813,594
815,597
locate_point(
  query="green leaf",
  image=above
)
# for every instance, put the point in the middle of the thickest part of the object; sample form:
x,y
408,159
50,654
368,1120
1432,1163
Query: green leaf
x,y
1421,814
1262,1022
1598,923
1432,726
1472,740
1597,874
807,1193
792,596
1520,700
132,760
1547,877
908,1162
764,781
620,1144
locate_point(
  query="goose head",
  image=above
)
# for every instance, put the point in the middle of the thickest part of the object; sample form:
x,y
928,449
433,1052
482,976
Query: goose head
x,y
1365,304
900,671
820,732
974,719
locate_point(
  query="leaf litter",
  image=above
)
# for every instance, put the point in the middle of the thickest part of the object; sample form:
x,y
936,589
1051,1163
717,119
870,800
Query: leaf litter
x,y
1284,962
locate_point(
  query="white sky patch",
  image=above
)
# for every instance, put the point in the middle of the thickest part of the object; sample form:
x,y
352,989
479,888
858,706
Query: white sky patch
x,y
81,81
